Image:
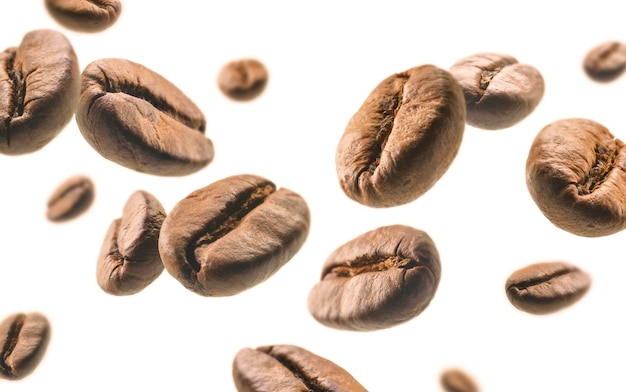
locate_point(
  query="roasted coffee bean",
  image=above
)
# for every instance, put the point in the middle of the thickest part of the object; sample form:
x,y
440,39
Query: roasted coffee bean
x,y
85,15
576,174
129,259
289,368
546,287
606,62
379,279
70,199
135,117
24,339
39,88
232,234
456,380
402,139
499,91
243,80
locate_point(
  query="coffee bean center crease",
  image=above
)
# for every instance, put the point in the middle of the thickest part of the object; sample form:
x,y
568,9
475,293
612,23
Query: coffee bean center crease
x,y
387,113
142,91
10,344
364,265
605,162
233,216
542,279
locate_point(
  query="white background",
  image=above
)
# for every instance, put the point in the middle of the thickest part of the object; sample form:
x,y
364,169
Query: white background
x,y
324,58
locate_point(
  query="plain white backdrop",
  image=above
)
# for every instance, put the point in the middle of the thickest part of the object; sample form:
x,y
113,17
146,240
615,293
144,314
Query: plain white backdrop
x,y
324,58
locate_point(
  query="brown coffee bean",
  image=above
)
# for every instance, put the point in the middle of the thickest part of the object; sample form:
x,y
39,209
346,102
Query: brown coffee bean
x,y
378,280
135,117
606,62
576,174
39,87
129,259
232,234
546,287
402,139
85,15
499,91
243,80
24,339
456,380
70,199
289,368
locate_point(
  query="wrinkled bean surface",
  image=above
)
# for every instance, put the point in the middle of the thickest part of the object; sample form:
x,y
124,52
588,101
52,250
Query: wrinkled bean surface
x,y
135,117
232,234
379,279
129,259
402,139
575,173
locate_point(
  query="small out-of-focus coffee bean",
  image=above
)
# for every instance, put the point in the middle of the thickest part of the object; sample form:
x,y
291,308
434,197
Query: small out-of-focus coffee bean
x,y
70,199
243,80
456,380
547,287
606,62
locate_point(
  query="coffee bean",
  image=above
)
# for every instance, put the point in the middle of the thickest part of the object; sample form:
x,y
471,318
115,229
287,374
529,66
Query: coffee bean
x,y
24,339
576,174
232,234
456,380
499,91
39,87
70,199
85,15
547,287
242,80
289,368
129,259
402,139
135,117
379,279
606,62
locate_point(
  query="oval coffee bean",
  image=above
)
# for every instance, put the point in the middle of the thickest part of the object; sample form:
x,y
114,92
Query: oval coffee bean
x,y
232,234
24,339
289,368
606,62
499,92
133,116
39,88
456,380
546,287
129,259
85,15
243,80
576,174
70,199
403,138
379,279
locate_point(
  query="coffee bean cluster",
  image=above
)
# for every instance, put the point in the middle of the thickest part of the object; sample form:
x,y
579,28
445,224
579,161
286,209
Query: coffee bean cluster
x,y
235,235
